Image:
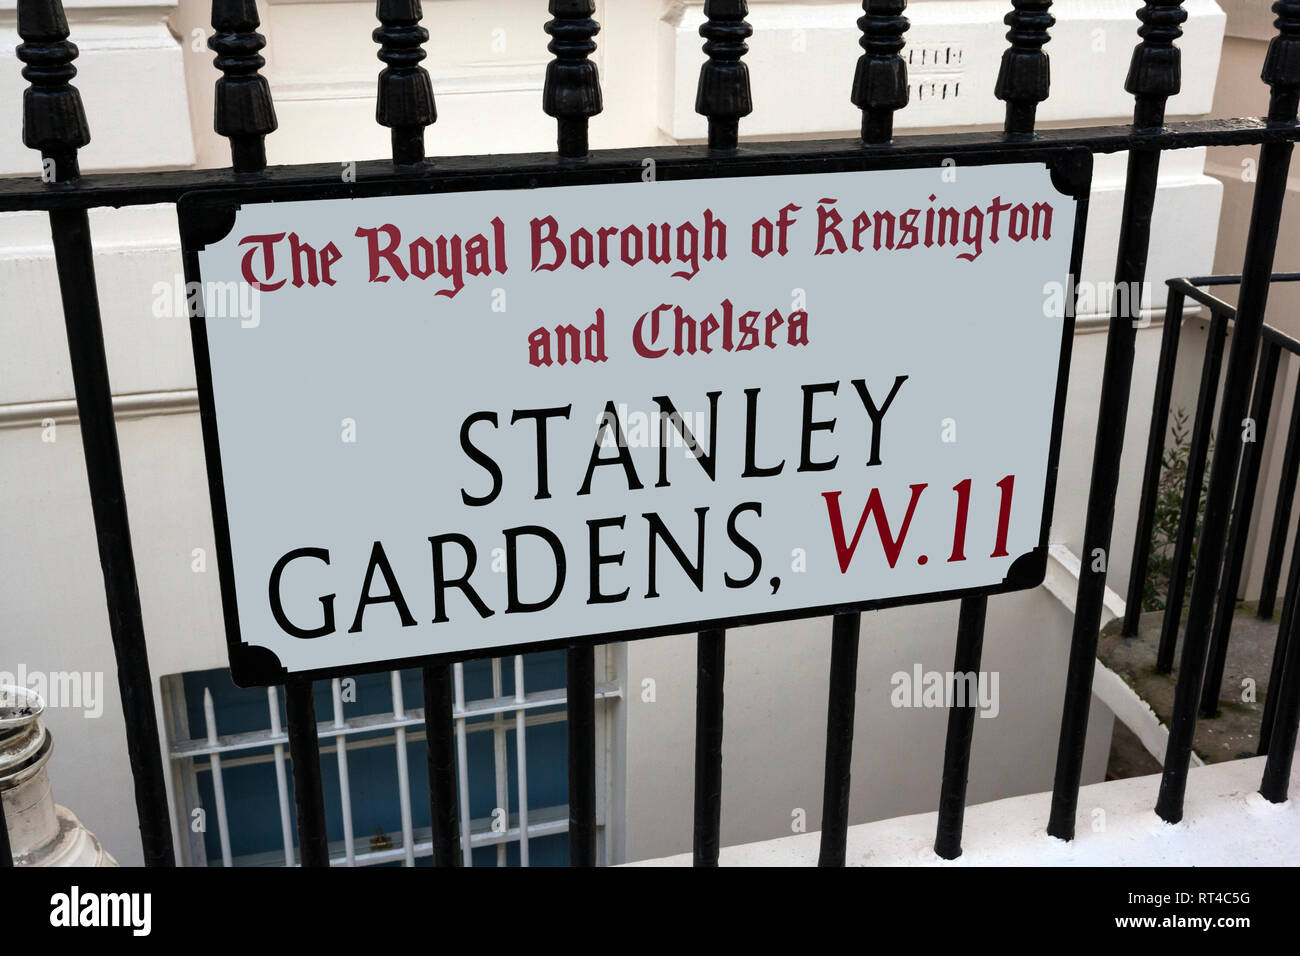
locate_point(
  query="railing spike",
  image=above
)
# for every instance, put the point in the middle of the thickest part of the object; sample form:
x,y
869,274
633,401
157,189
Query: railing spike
x,y
1155,72
723,92
572,90
1025,74
1282,61
243,111
405,100
54,120
880,82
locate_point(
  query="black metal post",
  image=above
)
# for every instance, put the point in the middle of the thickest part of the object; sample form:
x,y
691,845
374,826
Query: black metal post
x,y
1190,507
1281,748
1023,82
723,91
404,102
841,702
1024,76
961,727
571,92
1282,73
405,99
1239,534
54,122
1155,454
243,111
880,81
581,675
1274,690
440,745
711,649
1153,77
304,755
1281,514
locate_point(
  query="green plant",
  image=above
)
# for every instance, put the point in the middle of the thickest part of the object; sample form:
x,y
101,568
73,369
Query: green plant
x,y
1169,504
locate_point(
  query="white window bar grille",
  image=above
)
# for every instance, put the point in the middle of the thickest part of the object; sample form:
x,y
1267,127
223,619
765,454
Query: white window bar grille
x,y
405,726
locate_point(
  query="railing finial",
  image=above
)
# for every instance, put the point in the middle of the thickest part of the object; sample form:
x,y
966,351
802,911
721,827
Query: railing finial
x,y
880,83
1155,72
723,91
572,90
54,120
1025,74
243,111
1282,62
405,100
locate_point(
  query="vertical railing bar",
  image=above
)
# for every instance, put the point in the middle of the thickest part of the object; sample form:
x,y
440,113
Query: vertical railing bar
x,y
1282,73
571,91
462,753
243,111
1284,688
1023,83
1193,481
722,94
1239,530
961,728
571,94
499,770
841,702
54,123
1286,489
404,102
1169,340
345,783
880,78
441,747
710,654
1023,75
581,694
879,88
521,759
218,782
1153,76
1273,691
281,778
304,753
403,770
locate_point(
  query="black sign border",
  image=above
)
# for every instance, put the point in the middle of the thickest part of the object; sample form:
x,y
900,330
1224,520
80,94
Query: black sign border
x,y
206,216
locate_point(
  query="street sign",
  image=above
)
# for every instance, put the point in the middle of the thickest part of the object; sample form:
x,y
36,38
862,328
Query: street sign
x,y
442,423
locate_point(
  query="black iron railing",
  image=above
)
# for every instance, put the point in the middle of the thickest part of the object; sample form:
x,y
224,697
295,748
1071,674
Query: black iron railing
x,y
54,124
1201,679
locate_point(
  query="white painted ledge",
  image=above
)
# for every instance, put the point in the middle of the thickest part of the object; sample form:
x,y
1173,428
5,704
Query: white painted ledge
x,y
1062,582
1226,823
